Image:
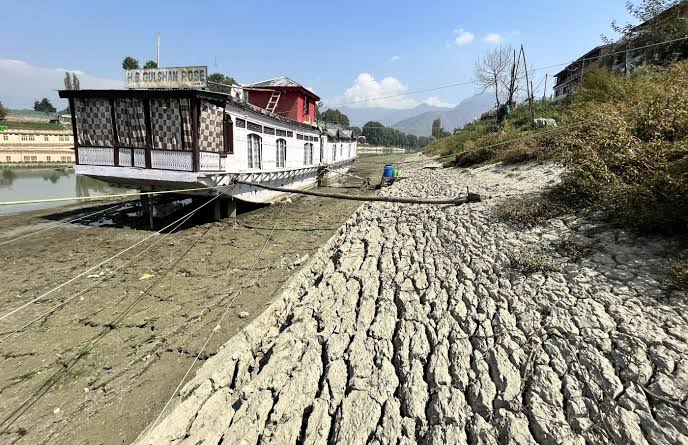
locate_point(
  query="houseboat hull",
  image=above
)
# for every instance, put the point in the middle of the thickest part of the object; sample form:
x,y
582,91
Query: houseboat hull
x,y
218,182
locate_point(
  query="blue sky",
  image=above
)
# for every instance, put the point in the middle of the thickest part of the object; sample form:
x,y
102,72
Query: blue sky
x,y
342,50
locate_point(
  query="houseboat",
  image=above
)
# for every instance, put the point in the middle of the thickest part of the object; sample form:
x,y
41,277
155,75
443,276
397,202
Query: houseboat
x,y
182,137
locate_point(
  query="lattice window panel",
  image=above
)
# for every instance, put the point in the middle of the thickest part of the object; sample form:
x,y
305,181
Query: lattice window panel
x,y
166,125
290,134
254,127
209,161
308,154
96,156
299,137
94,122
131,123
125,157
268,130
139,157
211,136
172,160
240,123
281,132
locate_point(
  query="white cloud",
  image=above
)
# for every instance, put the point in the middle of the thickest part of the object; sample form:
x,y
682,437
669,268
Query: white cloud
x,y
23,83
493,38
394,58
437,102
463,37
365,88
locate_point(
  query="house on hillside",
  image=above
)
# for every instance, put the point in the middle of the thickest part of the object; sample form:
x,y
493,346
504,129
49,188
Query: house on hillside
x,y
284,97
619,57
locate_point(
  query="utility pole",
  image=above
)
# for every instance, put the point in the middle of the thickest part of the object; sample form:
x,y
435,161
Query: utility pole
x,y
530,95
157,58
544,92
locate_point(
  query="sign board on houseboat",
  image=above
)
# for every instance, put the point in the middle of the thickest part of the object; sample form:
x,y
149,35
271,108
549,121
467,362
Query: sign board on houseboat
x,y
171,77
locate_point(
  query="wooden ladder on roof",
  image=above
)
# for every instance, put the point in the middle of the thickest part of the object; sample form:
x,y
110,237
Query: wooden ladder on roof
x,y
272,103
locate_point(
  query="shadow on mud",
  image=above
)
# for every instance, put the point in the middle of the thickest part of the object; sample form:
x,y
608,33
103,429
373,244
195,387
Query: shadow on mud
x,y
131,215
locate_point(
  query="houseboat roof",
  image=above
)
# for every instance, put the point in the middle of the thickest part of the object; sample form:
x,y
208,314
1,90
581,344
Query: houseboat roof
x,y
280,82
212,96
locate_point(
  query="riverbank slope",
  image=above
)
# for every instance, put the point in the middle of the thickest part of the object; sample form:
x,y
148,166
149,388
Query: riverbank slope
x,y
420,324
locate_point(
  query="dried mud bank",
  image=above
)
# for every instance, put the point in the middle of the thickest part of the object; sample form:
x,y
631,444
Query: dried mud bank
x,y
413,325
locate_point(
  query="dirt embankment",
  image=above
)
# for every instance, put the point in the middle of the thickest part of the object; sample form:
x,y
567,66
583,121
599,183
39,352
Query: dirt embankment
x,y
444,325
100,368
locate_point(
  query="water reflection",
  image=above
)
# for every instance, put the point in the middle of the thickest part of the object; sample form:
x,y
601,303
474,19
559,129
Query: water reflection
x,y
46,183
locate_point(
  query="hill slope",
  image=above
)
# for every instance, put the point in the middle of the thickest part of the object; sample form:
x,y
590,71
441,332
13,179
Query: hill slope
x,y
464,112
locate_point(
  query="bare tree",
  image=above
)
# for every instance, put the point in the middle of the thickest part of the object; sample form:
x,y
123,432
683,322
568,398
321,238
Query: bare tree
x,y
71,81
493,71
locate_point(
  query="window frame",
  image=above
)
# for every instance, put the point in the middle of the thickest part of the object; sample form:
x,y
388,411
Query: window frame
x,y
251,139
280,153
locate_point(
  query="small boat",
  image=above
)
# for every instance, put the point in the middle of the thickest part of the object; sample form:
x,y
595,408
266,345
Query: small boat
x,y
184,137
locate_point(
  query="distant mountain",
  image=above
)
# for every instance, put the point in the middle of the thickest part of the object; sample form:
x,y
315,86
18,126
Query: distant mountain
x,y
464,112
359,116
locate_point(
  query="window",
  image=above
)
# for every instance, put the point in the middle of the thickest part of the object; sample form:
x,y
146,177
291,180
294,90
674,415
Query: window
x,y
47,158
290,134
8,158
281,152
307,153
255,151
240,123
5,137
269,130
281,133
25,137
45,138
306,106
334,152
349,149
341,150
228,134
254,127
32,137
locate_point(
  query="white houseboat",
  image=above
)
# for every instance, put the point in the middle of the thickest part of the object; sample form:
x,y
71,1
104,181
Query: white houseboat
x,y
155,139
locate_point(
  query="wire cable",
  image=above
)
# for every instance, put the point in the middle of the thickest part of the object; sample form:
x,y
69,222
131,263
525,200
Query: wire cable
x,y
59,223
217,327
71,280
99,197
96,284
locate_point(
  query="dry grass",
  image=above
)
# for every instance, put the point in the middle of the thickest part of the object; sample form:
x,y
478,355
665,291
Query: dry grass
x,y
529,211
677,273
528,261
572,248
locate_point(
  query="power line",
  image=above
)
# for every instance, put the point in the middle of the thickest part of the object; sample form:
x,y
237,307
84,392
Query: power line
x,y
534,69
71,280
217,327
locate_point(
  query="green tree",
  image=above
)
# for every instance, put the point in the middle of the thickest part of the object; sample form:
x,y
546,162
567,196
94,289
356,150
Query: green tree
x,y
44,105
217,82
356,131
655,21
150,64
3,112
129,63
335,116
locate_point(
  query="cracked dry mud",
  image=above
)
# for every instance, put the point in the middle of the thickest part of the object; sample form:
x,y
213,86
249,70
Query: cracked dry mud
x,y
412,326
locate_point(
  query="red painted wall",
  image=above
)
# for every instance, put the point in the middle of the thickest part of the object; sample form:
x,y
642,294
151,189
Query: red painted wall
x,y
290,104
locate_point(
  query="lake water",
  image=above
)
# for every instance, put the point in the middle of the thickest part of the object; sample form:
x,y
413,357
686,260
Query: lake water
x,y
45,183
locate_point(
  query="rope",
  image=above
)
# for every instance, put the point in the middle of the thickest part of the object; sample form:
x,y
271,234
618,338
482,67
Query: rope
x,y
59,223
217,327
89,198
71,280
471,197
96,284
